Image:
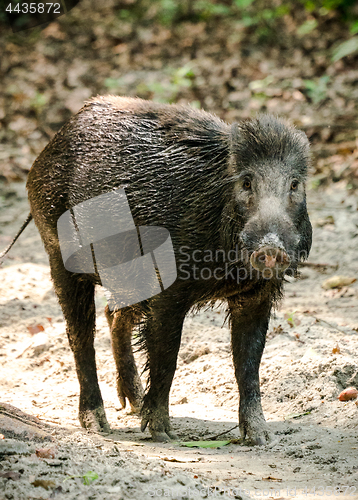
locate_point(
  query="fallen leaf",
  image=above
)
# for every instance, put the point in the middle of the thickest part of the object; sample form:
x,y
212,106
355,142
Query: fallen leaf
x,y
45,453
310,354
348,394
336,350
292,320
205,444
10,475
35,329
338,282
45,483
324,222
276,330
270,478
173,459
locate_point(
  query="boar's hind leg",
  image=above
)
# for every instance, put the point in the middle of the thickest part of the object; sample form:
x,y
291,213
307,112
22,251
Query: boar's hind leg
x,y
121,324
249,324
77,302
162,334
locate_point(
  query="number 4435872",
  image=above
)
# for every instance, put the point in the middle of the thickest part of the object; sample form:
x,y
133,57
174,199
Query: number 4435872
x,y
34,8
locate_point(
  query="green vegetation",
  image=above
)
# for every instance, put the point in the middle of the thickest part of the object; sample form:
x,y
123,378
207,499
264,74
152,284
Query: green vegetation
x,y
37,103
260,16
349,47
292,320
257,13
317,89
164,90
87,477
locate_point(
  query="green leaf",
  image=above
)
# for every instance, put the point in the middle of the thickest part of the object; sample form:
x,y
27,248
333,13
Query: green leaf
x,y
243,4
205,444
261,84
112,83
195,104
317,89
307,27
89,477
310,6
345,49
38,102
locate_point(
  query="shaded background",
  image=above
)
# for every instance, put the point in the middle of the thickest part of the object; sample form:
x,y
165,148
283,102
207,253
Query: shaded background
x,y
232,57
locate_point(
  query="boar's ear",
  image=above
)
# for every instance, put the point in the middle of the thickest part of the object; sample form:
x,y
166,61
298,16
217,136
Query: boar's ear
x,y
234,137
234,145
305,231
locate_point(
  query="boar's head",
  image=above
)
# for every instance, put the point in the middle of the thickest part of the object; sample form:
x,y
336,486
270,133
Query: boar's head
x,y
268,164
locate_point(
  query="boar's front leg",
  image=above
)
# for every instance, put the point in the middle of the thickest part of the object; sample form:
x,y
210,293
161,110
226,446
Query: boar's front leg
x,y
249,323
162,334
76,298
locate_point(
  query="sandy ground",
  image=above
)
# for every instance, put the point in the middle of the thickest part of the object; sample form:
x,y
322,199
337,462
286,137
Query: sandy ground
x,y
306,364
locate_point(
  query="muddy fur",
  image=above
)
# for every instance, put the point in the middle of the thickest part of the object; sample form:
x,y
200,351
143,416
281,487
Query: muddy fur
x,y
213,186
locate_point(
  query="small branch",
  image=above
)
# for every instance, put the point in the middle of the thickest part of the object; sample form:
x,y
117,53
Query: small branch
x,y
212,438
17,417
317,265
319,320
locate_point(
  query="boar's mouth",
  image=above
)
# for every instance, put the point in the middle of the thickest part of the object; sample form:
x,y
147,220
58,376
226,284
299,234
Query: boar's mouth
x,y
270,259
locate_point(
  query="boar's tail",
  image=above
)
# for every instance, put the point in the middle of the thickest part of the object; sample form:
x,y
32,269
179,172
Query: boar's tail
x,y
2,254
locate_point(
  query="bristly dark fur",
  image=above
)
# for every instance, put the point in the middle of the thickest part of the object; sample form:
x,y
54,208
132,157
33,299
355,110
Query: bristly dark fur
x,y
267,137
184,170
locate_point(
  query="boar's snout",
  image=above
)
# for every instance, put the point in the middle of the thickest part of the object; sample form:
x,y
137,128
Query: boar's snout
x,y
266,259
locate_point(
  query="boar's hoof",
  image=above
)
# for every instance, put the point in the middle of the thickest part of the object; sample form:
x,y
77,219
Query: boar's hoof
x,y
260,440
159,429
135,403
133,392
255,432
164,437
136,407
94,420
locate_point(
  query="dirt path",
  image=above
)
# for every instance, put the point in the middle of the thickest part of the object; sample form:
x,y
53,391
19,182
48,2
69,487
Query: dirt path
x,y
304,368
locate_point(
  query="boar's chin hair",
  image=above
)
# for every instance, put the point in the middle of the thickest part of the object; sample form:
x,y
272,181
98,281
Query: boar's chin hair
x,y
251,293
266,137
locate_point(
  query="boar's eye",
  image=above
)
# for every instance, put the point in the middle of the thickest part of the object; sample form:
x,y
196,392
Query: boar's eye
x,y
246,184
294,185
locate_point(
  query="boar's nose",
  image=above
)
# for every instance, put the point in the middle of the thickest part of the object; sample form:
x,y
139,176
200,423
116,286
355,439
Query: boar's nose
x,y
268,258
